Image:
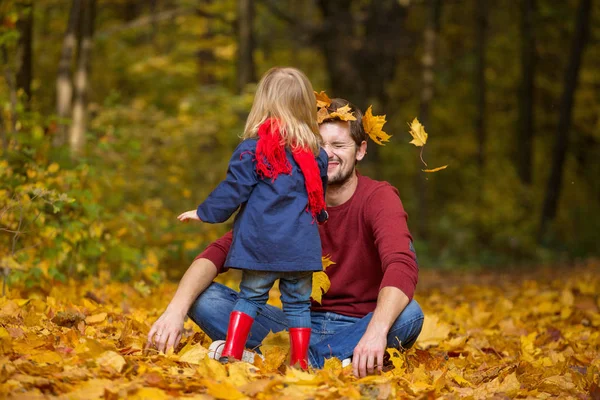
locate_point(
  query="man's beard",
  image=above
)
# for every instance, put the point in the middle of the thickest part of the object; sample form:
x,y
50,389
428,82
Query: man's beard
x,y
340,177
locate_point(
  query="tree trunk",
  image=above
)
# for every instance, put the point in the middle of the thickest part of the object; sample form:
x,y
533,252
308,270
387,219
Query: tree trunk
x,y
580,39
430,38
64,83
12,89
525,133
78,125
154,24
205,55
245,68
24,49
361,52
480,88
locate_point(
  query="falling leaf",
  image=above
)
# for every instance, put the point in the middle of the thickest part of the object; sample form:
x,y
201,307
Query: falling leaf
x,y
323,101
417,131
435,169
373,126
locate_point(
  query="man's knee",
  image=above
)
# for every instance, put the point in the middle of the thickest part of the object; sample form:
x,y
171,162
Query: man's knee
x,y
213,299
407,327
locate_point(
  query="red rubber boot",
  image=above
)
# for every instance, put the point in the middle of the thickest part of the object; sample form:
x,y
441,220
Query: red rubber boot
x,y
299,341
237,334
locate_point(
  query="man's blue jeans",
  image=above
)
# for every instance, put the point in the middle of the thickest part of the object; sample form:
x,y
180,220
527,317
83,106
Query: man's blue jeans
x,y
333,335
295,288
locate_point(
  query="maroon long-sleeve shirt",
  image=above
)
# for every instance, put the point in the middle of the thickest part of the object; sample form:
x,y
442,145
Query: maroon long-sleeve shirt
x,y
368,239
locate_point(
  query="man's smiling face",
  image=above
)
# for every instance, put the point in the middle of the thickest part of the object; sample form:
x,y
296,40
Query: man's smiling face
x,y
342,151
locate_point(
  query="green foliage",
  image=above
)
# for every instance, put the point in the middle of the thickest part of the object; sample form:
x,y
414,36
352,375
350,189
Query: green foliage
x,y
163,120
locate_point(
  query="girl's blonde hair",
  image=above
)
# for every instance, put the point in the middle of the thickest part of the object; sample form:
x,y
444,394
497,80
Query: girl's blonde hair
x,y
286,95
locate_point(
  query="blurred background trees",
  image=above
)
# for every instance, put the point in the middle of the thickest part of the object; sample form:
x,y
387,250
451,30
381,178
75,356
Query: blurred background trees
x,y
119,114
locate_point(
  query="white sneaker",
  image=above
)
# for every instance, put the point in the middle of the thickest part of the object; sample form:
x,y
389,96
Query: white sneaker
x,y
346,362
216,349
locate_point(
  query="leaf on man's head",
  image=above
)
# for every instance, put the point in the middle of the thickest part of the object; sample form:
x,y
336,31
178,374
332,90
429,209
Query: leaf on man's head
x,y
417,131
373,125
322,99
322,115
343,113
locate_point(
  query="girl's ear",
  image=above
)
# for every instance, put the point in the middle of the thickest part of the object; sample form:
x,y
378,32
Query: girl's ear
x,y
362,151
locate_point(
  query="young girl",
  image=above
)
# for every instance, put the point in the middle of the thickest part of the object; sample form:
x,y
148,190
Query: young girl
x,y
277,178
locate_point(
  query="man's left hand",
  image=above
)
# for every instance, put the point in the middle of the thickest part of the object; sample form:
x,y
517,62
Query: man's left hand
x,y
368,353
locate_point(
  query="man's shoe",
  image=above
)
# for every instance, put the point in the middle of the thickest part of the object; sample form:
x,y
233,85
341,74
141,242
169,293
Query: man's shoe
x,y
215,350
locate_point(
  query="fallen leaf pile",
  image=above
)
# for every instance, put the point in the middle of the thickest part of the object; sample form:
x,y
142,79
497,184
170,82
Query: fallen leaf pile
x,y
492,335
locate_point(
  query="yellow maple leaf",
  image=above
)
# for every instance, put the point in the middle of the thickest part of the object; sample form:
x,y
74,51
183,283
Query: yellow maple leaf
x,y
222,390
417,131
322,99
112,360
343,113
274,348
321,283
433,332
322,115
193,354
326,261
373,125
96,318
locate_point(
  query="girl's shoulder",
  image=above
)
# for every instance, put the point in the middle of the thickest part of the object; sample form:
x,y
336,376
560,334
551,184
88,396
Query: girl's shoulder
x,y
246,145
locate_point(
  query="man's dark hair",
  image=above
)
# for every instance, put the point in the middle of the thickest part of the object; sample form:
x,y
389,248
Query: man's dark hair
x,y
357,132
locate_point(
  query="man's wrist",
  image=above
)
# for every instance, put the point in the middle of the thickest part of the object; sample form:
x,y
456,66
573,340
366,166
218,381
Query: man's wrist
x,y
177,310
378,327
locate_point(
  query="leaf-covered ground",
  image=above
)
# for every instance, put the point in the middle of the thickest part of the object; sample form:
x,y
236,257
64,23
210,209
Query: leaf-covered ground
x,y
486,335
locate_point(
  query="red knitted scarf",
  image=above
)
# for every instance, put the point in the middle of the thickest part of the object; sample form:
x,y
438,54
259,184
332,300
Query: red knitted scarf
x,y
271,161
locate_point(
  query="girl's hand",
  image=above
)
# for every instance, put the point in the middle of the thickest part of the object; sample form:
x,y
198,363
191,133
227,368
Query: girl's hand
x,y
188,215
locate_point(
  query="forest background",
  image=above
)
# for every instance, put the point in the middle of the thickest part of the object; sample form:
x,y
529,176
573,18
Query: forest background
x,y
117,115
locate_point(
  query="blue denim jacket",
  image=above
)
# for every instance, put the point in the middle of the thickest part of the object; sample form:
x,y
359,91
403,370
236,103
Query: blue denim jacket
x,y
273,230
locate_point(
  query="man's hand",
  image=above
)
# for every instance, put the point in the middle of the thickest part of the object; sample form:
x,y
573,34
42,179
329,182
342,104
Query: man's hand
x,y
188,215
368,353
166,331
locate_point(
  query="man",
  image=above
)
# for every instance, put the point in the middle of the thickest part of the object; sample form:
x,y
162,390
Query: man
x,y
369,305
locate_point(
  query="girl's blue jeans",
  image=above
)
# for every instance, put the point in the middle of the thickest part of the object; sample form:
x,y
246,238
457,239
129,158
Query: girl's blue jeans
x,y
295,288
333,335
